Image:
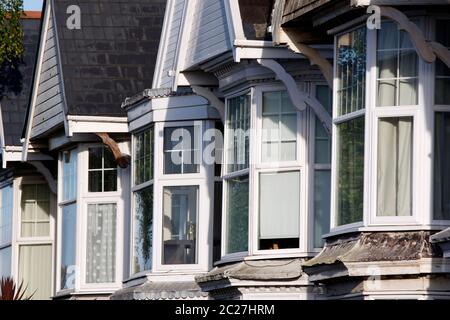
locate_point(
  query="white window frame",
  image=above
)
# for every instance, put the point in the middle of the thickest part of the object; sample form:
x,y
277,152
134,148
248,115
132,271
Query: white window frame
x,y
87,198
61,204
312,167
18,240
136,188
120,197
261,167
338,119
236,256
10,244
431,112
423,115
204,179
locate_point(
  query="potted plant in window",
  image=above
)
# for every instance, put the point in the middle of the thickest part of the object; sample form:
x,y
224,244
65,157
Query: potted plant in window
x,y
9,290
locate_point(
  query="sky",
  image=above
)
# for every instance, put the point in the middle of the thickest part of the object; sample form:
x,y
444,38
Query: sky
x,y
32,4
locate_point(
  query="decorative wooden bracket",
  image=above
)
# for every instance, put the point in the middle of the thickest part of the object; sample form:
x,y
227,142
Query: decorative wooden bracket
x,y
215,102
52,185
122,160
423,48
427,50
293,40
299,98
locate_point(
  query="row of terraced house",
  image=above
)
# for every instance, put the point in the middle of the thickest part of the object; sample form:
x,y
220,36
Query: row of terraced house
x,y
328,126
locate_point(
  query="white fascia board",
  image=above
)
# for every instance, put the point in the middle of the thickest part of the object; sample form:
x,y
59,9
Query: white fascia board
x,y
92,124
14,153
37,75
360,3
257,49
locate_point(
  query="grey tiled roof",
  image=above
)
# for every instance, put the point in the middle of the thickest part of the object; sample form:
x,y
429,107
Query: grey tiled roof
x,y
155,93
15,102
167,290
112,56
442,236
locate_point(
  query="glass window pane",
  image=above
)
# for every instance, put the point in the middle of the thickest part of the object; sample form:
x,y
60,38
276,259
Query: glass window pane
x,y
5,262
269,152
271,103
288,151
35,210
110,180
442,93
442,72
289,127
388,38
270,126
237,133
286,103
279,127
95,181
101,243
387,64
181,152
351,71
350,171
322,191
69,179
398,66
109,161
279,210
441,176
6,212
180,206
409,63
95,158
68,246
143,230
408,92
37,277
394,166
237,215
387,93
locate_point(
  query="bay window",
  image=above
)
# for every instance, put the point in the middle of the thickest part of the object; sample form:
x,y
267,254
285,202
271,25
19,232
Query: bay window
x,y
236,177
6,214
91,211
402,123
143,153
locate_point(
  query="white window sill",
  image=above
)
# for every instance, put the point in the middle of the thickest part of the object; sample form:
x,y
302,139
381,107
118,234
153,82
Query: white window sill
x,y
386,228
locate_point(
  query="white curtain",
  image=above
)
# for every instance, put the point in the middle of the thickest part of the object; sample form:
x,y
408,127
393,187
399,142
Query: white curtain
x,y
35,270
101,243
279,205
394,166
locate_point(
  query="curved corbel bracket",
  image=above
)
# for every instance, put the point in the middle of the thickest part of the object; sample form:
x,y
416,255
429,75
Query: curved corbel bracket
x,y
51,181
299,98
122,160
214,101
441,52
294,41
423,48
